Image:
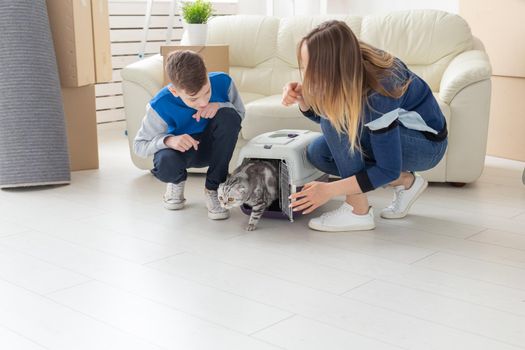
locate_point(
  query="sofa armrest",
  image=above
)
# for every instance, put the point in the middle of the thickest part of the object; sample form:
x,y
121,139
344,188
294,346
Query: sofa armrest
x,y
148,73
467,68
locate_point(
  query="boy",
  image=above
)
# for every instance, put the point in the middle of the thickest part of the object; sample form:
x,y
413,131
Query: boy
x,y
192,122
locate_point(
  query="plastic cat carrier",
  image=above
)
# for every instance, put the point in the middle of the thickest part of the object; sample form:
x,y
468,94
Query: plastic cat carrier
x,y
287,148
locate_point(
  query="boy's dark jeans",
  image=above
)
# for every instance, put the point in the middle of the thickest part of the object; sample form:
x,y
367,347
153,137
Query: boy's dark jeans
x,y
216,146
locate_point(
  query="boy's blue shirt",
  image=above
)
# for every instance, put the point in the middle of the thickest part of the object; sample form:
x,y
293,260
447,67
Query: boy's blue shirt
x,y
178,116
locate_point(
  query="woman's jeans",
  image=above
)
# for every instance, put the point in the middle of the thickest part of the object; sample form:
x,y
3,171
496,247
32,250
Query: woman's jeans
x,y
331,152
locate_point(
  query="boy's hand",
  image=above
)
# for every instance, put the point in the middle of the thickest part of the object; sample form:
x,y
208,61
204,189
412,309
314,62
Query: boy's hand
x,y
207,112
292,93
181,143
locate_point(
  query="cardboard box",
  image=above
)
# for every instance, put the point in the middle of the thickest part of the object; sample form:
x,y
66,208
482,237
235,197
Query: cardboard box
x,y
507,122
101,41
501,27
70,22
216,57
81,125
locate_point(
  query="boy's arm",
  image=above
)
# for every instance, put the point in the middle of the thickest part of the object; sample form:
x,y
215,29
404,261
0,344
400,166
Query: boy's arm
x,y
235,100
150,137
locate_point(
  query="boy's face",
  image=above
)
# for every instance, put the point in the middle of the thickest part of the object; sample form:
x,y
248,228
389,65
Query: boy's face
x,y
196,101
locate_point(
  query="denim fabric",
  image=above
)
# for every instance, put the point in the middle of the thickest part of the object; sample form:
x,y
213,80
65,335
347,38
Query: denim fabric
x,y
215,150
331,152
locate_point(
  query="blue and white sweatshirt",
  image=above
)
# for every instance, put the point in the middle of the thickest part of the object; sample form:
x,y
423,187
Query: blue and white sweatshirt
x,y
417,109
167,115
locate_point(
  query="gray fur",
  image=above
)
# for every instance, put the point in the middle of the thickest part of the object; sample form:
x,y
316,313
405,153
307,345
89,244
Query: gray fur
x,y
255,182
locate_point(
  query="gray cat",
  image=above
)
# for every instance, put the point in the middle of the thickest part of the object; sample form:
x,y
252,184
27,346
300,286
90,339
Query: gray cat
x,y
254,183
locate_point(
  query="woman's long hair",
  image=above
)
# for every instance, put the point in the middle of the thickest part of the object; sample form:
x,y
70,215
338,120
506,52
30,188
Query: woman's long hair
x,y
340,73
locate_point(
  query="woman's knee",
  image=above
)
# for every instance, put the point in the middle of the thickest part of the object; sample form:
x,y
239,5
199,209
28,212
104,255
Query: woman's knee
x,y
320,156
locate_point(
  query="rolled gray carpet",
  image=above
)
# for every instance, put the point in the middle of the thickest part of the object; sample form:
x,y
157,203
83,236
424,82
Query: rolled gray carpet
x,y
33,143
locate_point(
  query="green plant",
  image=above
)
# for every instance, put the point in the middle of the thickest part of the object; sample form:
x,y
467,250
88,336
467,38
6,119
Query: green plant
x,y
197,12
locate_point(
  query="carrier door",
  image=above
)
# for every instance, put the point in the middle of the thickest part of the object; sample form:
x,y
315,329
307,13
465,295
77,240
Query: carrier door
x,y
285,187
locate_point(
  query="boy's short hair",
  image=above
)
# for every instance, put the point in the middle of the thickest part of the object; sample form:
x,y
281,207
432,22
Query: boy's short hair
x,y
186,70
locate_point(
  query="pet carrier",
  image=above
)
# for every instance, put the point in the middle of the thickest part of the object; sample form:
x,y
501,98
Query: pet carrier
x,y
288,149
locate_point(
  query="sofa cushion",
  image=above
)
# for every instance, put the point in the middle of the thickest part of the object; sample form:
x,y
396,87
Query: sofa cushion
x,y
425,40
248,97
293,29
252,39
268,114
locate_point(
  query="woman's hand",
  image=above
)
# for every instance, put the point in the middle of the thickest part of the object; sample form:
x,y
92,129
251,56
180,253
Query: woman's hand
x,y
292,93
312,196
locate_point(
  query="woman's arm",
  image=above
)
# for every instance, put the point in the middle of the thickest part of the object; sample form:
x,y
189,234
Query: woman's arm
x,y
310,114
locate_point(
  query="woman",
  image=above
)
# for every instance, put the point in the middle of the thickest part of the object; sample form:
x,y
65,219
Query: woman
x,y
380,123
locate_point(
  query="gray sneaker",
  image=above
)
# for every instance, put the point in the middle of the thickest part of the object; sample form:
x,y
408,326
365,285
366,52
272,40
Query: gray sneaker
x,y
174,196
215,211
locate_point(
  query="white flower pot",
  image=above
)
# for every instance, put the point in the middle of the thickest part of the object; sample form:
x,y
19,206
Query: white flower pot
x,y
195,34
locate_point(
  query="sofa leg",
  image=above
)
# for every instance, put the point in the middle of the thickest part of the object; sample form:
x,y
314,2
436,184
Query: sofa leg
x,y
457,184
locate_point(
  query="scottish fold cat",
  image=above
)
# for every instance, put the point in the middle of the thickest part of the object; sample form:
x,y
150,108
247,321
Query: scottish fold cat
x,y
254,182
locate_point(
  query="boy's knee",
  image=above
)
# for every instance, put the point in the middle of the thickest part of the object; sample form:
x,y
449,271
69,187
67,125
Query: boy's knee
x,y
168,158
228,119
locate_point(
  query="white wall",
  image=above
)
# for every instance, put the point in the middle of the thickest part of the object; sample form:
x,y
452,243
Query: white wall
x,y
251,7
283,8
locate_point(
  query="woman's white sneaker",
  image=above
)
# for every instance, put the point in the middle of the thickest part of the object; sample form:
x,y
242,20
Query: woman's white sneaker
x,y
403,199
174,196
343,219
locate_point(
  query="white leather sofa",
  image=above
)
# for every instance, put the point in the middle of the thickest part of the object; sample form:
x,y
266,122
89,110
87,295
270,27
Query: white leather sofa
x,y
436,45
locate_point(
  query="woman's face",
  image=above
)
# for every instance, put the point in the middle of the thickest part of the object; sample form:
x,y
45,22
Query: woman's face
x,y
304,58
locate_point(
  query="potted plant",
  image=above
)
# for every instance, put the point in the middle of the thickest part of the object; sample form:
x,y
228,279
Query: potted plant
x,y
196,15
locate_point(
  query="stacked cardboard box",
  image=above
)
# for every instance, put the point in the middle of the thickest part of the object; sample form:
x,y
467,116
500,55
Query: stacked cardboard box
x,y
80,30
500,26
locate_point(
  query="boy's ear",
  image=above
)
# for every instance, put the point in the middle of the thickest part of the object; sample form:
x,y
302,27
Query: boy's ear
x,y
173,91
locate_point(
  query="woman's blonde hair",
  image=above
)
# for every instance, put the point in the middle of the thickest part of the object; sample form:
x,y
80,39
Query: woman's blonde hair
x,y
340,73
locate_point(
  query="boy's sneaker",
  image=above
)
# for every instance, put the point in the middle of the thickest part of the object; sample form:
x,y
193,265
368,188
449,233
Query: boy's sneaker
x,y
343,219
403,199
174,196
215,211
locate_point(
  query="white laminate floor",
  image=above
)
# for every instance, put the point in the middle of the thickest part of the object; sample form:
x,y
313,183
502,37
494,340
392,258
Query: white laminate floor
x,y
99,264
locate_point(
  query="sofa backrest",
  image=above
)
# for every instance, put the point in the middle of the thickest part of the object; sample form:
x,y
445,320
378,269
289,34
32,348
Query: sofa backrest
x,y
263,49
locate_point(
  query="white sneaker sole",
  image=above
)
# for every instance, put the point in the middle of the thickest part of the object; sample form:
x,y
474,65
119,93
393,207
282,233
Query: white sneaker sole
x,y
393,215
218,216
321,227
174,206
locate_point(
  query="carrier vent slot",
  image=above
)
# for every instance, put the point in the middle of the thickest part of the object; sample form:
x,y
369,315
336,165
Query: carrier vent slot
x,y
284,185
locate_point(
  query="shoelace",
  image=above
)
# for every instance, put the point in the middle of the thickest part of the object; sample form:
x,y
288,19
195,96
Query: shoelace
x,y
176,191
399,191
212,197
